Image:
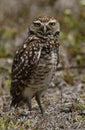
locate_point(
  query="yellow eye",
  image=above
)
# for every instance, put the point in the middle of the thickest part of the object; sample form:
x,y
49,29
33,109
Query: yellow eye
x,y
52,23
37,24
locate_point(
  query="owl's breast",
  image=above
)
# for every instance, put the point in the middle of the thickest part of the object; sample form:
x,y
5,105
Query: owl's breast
x,y
42,75
48,63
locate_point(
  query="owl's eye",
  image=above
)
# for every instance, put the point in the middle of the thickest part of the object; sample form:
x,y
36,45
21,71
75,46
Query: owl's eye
x,y
37,24
52,23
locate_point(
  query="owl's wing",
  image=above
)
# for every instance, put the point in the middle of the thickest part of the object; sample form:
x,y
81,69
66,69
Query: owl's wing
x,y
25,61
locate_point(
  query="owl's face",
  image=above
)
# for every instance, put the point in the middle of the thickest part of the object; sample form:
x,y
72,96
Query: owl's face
x,y
44,27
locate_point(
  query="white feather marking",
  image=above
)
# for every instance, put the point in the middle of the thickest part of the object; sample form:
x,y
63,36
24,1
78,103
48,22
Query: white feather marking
x,y
39,53
25,45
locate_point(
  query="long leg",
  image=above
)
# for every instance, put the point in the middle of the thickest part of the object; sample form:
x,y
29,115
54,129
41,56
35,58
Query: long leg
x,y
29,104
37,97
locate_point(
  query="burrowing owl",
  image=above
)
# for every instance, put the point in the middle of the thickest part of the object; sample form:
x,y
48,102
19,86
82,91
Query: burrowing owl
x,y
35,62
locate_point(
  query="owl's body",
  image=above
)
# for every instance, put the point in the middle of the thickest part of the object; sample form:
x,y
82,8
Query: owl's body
x,y
33,67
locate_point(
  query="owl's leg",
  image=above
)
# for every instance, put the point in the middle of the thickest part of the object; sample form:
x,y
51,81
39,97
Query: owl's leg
x,y
14,103
29,104
37,97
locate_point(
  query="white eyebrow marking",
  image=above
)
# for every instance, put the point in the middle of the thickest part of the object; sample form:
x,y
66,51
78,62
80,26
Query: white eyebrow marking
x,y
38,21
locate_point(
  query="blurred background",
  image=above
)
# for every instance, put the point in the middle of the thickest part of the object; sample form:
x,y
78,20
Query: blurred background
x,y
16,16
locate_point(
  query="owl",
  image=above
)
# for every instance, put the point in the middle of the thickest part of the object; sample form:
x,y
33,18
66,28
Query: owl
x,y
35,62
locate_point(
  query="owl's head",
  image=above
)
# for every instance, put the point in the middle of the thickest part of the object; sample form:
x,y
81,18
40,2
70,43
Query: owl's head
x,y
43,27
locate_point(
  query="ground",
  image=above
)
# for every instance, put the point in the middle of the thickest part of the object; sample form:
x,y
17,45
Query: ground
x,y
63,103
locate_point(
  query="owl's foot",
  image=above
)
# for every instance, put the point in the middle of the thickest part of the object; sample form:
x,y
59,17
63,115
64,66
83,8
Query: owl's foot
x,y
37,97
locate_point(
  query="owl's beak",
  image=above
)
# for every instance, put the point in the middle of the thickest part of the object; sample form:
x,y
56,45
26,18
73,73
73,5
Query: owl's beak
x,y
44,29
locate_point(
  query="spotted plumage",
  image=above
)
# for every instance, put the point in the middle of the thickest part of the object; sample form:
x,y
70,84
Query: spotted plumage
x,y
35,62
